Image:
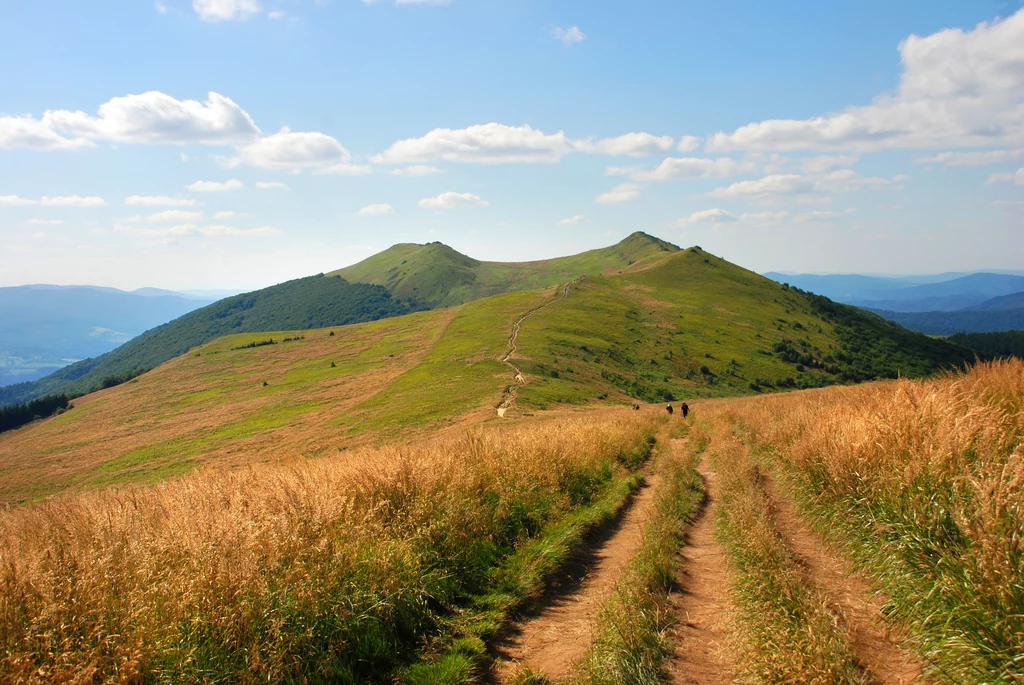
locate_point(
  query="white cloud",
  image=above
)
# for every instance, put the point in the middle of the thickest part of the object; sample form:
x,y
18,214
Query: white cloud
x,y
44,222
973,158
839,181
277,15
1017,178
825,163
215,186
569,36
376,210
154,117
220,216
635,145
159,201
693,167
289,151
160,7
272,185
714,215
15,201
816,216
627,192
574,221
482,144
39,235
27,132
225,10
178,215
72,201
688,143
452,200
345,169
191,229
764,217
416,170
958,89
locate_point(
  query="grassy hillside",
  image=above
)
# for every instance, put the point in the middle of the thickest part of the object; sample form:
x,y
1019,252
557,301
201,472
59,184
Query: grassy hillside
x,y
311,302
964,321
993,345
690,325
435,275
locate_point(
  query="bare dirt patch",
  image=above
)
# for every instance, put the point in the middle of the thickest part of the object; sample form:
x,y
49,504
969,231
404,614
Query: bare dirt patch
x,y
555,639
702,601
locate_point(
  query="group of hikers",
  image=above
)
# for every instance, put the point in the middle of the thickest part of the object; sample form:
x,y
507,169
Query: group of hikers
x,y
684,408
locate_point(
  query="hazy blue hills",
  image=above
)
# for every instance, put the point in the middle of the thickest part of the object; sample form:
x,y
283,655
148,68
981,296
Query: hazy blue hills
x,y
45,327
940,292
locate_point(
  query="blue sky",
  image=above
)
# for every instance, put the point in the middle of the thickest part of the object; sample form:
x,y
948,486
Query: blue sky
x,y
238,143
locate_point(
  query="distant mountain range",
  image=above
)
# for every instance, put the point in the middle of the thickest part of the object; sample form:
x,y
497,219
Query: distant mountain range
x,y
46,327
940,304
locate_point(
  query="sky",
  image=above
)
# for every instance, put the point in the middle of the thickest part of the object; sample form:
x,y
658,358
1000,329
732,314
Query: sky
x,y
239,143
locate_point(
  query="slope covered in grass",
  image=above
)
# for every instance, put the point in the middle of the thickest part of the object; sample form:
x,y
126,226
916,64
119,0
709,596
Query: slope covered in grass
x,y
435,275
311,302
690,325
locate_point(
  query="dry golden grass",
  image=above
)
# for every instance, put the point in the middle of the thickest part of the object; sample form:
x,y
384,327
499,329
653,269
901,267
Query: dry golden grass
x,y
329,569
922,482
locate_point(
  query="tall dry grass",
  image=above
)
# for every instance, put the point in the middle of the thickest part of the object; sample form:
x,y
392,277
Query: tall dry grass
x,y
327,570
923,483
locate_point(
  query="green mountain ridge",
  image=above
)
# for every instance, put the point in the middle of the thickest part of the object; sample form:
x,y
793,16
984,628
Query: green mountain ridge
x,y
435,275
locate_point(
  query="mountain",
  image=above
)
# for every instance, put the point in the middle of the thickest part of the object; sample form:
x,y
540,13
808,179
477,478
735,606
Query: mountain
x,y
304,303
416,276
674,325
909,293
993,345
1002,303
435,275
45,327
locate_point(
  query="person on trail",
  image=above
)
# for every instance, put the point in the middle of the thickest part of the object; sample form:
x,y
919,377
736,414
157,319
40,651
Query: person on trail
x,y
685,409
668,408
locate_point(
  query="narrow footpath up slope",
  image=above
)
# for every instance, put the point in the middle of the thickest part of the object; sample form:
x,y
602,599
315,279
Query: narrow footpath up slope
x,y
554,640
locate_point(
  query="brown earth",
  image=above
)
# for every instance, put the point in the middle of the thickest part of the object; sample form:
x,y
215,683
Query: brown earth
x,y
702,602
555,639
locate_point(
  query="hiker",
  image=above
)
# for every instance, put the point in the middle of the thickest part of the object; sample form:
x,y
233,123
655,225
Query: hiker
x,y
668,408
685,409
636,407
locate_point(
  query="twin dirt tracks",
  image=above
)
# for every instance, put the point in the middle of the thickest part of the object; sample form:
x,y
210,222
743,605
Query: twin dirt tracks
x,y
552,641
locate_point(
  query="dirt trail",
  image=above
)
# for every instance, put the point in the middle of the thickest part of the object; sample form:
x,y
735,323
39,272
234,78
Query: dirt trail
x,y
512,390
560,635
877,649
702,602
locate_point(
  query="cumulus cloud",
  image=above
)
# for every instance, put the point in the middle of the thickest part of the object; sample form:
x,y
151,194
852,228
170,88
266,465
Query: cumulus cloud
x,y
825,163
574,221
159,201
178,215
452,200
957,89
226,10
973,158
840,181
155,117
713,215
688,143
482,144
15,201
72,201
191,229
227,214
416,170
215,186
569,36
1017,178
288,150
627,192
376,210
345,169
692,167
272,185
635,145
33,134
